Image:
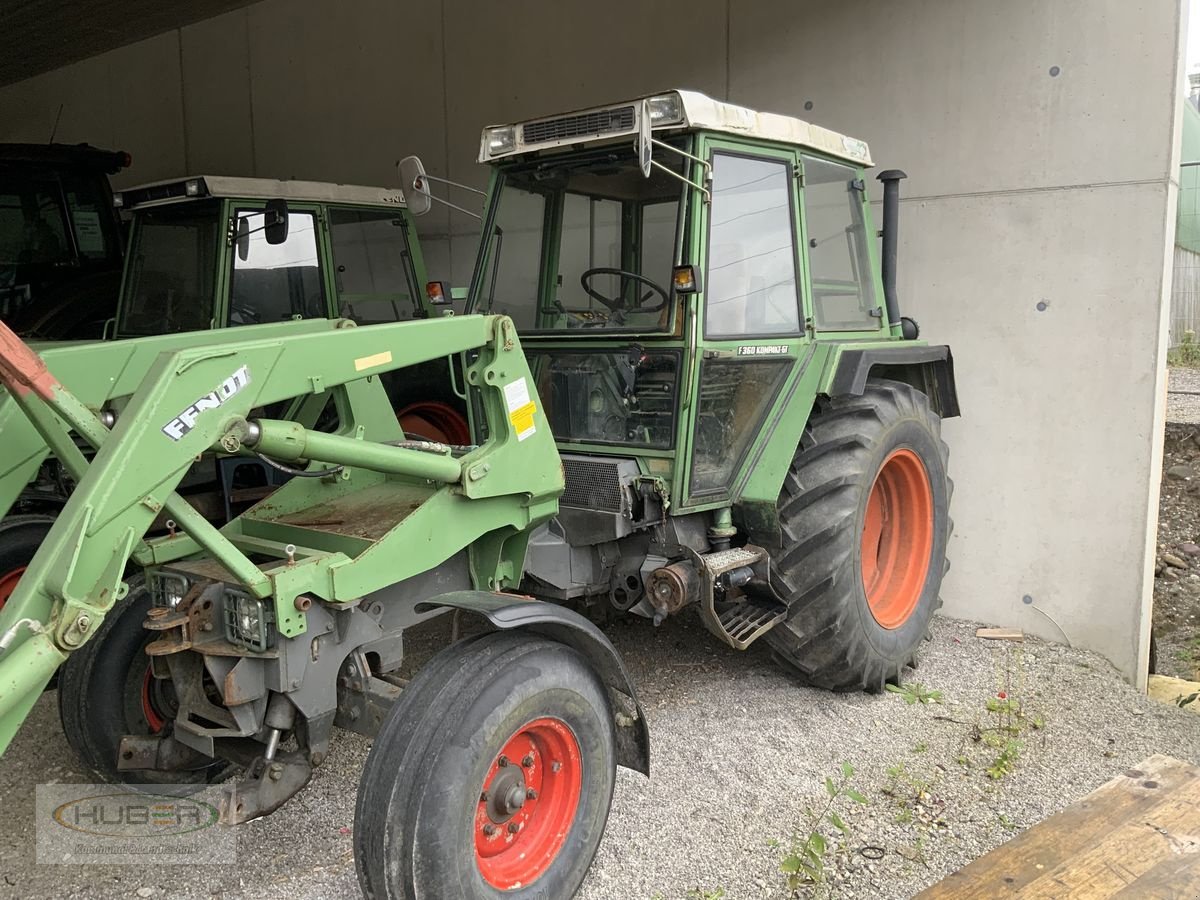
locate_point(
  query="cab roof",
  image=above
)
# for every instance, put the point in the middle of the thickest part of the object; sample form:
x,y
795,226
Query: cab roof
x,y
195,187
671,111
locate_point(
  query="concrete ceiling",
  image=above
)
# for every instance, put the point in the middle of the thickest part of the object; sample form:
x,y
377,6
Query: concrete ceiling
x,y
39,35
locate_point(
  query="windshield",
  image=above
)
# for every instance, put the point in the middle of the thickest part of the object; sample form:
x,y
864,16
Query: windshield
x,y
585,242
169,285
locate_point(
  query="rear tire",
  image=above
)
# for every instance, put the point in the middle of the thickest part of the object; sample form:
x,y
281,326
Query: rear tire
x,y
865,523
423,825
106,692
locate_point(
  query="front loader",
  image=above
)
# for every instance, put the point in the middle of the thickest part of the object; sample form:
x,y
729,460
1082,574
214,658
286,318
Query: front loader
x,y
243,646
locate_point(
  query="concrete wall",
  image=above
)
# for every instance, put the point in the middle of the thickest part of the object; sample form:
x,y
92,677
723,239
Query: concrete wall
x,y
1040,137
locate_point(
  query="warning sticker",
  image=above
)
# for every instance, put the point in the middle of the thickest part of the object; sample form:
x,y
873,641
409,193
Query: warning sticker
x,y
520,408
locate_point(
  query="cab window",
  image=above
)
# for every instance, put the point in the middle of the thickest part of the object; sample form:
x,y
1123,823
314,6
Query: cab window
x,y
372,265
838,255
169,280
275,282
751,287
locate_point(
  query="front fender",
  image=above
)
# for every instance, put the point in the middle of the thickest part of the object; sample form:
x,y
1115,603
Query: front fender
x,y
506,612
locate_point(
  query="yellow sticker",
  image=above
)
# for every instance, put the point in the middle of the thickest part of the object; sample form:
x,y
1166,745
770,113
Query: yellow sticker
x,y
522,420
520,408
370,362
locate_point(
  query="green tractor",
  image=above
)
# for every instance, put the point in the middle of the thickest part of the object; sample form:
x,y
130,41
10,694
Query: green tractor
x,y
221,252
746,422
688,383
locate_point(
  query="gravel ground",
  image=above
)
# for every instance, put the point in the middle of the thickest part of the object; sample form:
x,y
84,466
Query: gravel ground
x,y
1183,407
739,752
1177,569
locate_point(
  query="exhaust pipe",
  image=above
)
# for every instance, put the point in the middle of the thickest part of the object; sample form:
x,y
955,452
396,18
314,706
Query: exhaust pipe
x,y
891,223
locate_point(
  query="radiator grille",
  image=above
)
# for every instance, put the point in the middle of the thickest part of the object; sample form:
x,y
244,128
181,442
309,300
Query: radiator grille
x,y
601,121
592,485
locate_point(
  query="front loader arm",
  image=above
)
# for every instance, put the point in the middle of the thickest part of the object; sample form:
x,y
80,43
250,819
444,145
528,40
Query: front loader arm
x,y
200,398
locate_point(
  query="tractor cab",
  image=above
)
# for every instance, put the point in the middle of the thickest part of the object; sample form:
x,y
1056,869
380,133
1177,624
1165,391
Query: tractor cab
x,y
671,263
217,251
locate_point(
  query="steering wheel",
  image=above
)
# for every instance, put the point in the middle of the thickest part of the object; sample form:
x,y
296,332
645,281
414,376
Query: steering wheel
x,y
616,304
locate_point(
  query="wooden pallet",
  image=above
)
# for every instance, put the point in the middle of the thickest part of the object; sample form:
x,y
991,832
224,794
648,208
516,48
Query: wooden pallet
x,y
1136,837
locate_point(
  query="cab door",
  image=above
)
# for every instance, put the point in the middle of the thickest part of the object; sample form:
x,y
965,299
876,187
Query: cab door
x,y
749,315
273,282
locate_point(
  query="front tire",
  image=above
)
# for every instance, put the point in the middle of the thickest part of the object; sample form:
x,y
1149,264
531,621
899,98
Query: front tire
x,y
865,523
106,691
20,537
492,776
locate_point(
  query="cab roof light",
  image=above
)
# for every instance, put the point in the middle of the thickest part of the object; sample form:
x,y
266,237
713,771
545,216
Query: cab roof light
x,y
500,140
665,109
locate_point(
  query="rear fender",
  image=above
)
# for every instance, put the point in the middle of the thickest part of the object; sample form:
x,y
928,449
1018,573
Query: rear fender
x,y
506,612
930,369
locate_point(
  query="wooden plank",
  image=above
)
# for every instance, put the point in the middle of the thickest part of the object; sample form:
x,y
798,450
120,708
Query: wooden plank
x,y
1127,853
1102,843
1000,634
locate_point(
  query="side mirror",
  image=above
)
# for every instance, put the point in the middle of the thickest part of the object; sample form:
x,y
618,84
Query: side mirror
x,y
275,226
414,185
643,139
243,238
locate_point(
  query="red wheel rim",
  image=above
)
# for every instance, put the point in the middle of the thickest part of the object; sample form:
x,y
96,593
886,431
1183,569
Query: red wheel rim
x,y
8,584
435,421
153,719
527,804
897,538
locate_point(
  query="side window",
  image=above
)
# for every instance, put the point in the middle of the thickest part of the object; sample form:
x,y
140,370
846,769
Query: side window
x,y
510,285
276,282
838,257
751,288
371,265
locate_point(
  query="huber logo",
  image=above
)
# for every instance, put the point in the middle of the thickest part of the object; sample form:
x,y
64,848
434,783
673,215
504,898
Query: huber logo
x,y
186,420
131,815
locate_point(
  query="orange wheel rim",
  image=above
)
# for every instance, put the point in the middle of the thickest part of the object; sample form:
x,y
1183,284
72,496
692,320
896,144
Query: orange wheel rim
x,y
897,538
527,804
8,584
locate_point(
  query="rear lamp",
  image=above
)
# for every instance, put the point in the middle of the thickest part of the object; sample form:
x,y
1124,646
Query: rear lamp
x,y
247,621
500,140
665,109
191,187
126,160
437,293
685,279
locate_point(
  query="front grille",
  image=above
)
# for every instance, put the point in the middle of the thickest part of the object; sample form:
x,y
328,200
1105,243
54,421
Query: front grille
x,y
592,485
590,124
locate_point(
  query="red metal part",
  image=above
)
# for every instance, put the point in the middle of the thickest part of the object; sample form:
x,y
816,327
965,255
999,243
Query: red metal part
x,y
22,370
435,421
153,719
515,843
8,584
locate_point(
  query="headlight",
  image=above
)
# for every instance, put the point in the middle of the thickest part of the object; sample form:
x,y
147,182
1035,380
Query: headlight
x,y
501,140
192,187
247,621
665,109
168,589
118,200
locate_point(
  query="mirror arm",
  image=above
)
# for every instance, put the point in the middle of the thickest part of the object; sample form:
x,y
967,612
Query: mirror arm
x,y
456,184
421,190
703,188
